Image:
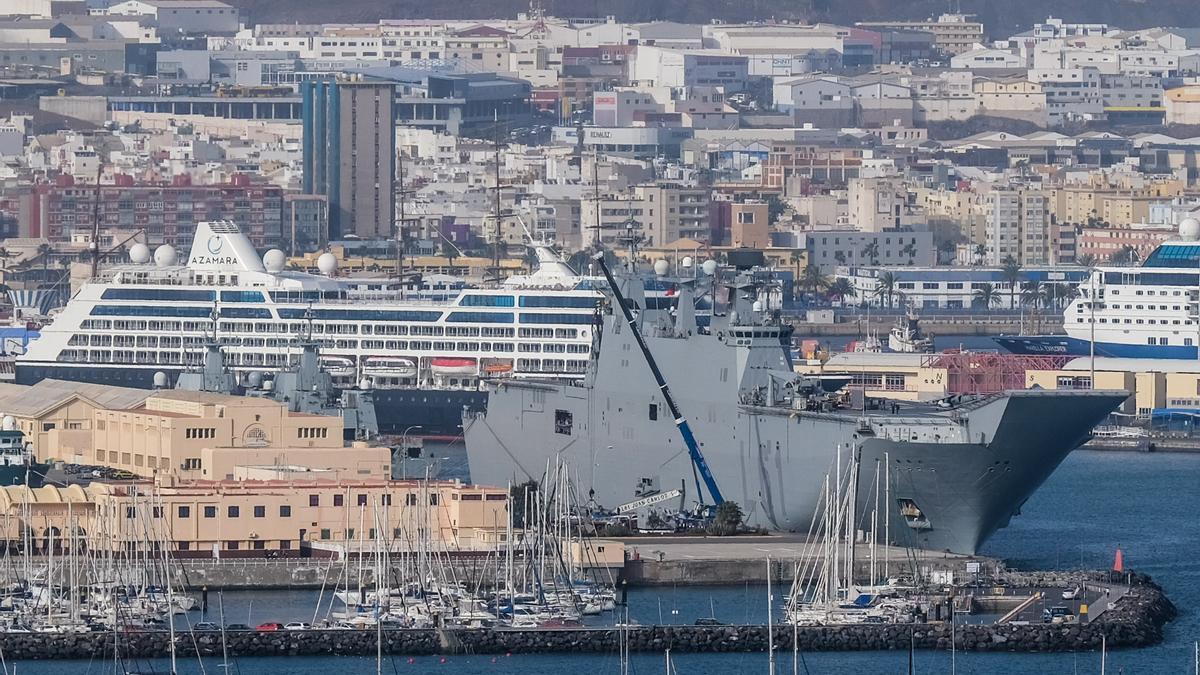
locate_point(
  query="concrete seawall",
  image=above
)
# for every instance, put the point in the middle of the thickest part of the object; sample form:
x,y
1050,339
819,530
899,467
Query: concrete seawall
x,y
1135,620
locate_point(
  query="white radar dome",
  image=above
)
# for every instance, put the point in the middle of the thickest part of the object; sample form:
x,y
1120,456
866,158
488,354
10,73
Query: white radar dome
x,y
160,380
139,254
165,255
327,264
274,260
709,267
757,306
687,262
364,383
1189,229
661,267
9,423
254,380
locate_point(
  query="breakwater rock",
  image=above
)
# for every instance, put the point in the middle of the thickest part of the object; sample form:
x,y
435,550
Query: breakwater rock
x,y
1136,620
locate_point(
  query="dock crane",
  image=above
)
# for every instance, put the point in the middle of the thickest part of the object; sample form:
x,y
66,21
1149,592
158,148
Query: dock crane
x,y
701,466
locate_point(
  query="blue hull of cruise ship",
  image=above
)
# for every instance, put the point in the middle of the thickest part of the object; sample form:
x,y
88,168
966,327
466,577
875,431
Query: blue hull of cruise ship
x,y
1062,345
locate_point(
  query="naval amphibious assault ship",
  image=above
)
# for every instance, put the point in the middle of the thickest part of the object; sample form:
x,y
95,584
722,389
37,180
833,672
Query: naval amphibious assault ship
x,y
943,476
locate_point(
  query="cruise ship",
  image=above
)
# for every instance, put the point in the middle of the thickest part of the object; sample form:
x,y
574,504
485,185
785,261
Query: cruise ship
x,y
1147,311
944,476
425,358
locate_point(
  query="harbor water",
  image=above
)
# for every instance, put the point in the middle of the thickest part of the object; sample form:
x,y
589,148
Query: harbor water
x,y
1144,503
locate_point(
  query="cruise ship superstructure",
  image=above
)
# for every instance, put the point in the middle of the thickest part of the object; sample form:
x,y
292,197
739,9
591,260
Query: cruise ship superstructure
x,y
424,358
948,476
1148,311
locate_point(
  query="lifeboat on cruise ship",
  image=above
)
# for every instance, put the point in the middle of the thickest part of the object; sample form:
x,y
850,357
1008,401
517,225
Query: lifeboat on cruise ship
x,y
389,366
337,366
444,365
497,368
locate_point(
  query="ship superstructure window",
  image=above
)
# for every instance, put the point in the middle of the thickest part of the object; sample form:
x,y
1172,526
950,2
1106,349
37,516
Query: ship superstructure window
x,y
563,421
653,411
487,301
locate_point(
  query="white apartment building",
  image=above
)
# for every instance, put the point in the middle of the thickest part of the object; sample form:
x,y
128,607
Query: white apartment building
x,y
1017,225
877,204
987,59
1071,93
658,67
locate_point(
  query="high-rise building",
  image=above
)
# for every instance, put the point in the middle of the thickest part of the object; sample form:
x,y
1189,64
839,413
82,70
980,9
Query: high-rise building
x,y
350,154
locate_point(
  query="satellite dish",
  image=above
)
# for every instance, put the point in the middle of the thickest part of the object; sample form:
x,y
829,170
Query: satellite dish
x,y
274,260
1189,229
327,264
364,383
139,254
688,262
709,267
160,380
10,423
165,255
661,267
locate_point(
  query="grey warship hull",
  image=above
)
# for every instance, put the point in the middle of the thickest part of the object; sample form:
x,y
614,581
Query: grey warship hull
x,y
943,478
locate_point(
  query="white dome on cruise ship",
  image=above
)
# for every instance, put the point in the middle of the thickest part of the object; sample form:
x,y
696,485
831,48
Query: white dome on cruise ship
x,y
661,267
1189,229
274,260
165,255
139,254
327,263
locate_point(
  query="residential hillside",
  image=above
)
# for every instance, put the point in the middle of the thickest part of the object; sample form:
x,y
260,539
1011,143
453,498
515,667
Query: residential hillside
x,y
1002,17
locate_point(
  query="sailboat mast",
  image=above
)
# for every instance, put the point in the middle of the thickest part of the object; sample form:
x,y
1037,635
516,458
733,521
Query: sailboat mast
x,y
770,623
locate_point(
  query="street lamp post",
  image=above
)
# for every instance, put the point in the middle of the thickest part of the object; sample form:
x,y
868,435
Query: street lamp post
x,y
404,450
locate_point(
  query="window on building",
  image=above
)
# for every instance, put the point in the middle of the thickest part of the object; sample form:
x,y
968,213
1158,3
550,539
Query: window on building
x,y
362,500
233,511
325,534
130,512
314,500
260,512
563,421
285,511
210,512
338,500
185,512
231,545
433,499
410,499
259,545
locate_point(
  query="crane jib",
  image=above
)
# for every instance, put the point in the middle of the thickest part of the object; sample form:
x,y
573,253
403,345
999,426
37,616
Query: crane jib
x,y
689,439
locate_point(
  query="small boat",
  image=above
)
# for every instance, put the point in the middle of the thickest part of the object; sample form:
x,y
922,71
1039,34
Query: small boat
x,y
337,366
906,335
452,366
389,366
496,368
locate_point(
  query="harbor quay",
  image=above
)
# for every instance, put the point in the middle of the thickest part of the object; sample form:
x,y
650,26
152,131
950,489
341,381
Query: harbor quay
x,y
1135,619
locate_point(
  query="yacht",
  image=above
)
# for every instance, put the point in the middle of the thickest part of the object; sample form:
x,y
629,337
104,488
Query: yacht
x,y
425,356
1148,311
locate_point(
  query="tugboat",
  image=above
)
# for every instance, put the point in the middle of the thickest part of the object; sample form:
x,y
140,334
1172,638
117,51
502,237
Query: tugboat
x,y
906,335
17,465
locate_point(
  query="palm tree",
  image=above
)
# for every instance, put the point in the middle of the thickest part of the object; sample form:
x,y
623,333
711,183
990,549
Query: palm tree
x,y
449,252
1127,255
841,289
840,257
910,250
871,252
987,296
885,287
1086,260
44,251
1062,293
980,253
947,248
1033,293
813,280
1011,273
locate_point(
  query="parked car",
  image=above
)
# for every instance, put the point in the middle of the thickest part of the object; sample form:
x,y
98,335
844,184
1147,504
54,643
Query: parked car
x,y
268,627
297,625
237,626
1071,594
708,621
206,627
